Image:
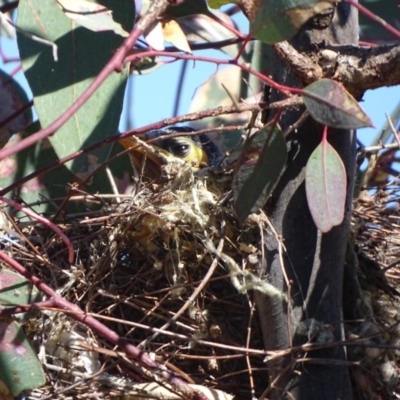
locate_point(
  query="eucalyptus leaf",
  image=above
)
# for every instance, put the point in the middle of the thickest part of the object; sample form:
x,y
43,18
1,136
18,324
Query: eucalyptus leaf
x,y
326,185
57,83
263,162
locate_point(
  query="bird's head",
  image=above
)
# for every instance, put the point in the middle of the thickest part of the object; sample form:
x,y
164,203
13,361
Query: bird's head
x,y
178,141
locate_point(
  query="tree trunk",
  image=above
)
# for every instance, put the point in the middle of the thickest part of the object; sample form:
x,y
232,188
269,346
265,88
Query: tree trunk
x,y
313,262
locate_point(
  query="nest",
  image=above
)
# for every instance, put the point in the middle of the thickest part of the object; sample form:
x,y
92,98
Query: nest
x,y
376,230
168,269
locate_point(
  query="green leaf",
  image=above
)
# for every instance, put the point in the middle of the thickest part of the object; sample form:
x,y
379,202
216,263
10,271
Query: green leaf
x,y
56,84
92,16
326,185
220,3
276,20
265,160
330,104
17,290
50,185
20,368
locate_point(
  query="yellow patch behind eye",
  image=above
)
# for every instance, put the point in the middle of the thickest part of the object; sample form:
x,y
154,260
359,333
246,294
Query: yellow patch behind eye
x,y
197,156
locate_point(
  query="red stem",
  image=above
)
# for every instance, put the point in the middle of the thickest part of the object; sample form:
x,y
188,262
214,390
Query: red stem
x,y
152,53
373,17
111,139
325,133
44,221
75,312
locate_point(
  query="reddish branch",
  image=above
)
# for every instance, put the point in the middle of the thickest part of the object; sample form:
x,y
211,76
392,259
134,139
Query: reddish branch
x,y
44,221
179,56
380,63
358,68
116,64
58,302
213,112
375,18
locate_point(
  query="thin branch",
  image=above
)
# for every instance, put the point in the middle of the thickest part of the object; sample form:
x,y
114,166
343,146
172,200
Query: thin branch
x,y
375,18
379,147
293,101
115,64
196,292
210,45
179,56
89,321
178,95
43,221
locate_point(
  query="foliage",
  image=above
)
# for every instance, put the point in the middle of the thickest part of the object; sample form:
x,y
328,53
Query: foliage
x,y
77,56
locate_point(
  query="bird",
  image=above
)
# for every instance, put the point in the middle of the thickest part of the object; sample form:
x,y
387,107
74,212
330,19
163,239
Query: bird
x,y
197,150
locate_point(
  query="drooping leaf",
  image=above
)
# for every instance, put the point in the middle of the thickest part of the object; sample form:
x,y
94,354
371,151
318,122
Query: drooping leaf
x,y
56,85
276,20
326,185
173,34
330,104
20,368
92,16
265,160
201,28
12,99
154,36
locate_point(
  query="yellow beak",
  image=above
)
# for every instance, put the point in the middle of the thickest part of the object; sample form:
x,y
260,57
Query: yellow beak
x,y
153,157
150,158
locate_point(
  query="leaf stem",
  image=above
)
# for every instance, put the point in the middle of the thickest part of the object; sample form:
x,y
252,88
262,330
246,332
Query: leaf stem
x,y
325,133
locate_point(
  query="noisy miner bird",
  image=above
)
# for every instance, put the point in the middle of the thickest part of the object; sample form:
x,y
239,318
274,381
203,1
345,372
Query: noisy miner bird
x,y
176,141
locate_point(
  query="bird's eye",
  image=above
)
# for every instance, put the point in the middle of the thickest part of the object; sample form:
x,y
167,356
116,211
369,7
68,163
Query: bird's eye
x,y
180,150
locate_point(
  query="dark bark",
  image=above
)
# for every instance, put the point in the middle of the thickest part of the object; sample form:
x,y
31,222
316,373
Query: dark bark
x,y
314,262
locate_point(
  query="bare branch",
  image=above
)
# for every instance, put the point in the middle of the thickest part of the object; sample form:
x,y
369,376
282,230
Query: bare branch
x,y
358,68
364,68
